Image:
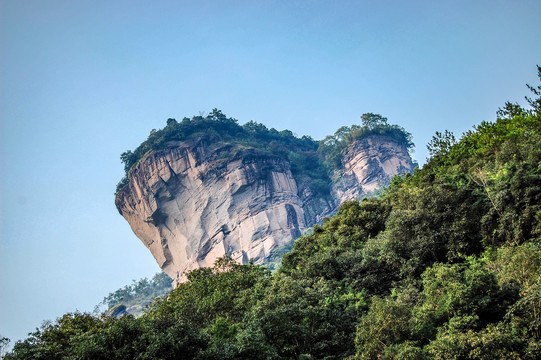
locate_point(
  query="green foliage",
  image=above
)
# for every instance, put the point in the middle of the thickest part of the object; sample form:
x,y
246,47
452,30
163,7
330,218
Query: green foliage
x,y
140,293
333,146
341,252
462,290
518,264
274,260
372,121
536,90
494,342
57,340
441,143
386,323
227,290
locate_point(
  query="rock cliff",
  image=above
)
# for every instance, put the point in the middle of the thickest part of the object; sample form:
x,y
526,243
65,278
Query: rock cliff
x,y
368,164
194,201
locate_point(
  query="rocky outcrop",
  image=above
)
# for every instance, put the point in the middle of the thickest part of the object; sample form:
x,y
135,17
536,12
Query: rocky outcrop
x,y
368,164
117,311
189,206
195,201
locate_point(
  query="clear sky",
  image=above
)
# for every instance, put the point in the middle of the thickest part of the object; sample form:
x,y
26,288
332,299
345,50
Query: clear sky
x,y
82,81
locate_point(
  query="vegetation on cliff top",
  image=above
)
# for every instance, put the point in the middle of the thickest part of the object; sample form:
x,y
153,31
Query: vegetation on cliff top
x,y
308,157
333,146
445,264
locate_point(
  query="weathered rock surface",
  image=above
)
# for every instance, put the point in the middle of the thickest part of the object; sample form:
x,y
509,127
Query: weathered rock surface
x,y
117,311
195,201
368,164
189,207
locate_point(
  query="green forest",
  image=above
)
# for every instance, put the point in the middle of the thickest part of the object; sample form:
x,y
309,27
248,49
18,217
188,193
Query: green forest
x,y
444,264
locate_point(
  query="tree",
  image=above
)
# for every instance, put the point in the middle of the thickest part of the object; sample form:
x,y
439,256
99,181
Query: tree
x,y
441,143
385,324
371,121
510,110
171,122
535,103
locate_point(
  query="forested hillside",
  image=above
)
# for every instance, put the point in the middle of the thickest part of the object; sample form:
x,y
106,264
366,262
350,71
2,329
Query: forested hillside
x,y
445,264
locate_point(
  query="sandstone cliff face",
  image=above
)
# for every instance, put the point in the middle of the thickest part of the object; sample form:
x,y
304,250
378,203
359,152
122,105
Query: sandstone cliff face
x,y
195,201
368,164
189,207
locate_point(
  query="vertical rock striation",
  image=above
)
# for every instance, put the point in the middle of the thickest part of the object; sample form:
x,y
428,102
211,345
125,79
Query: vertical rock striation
x,y
195,201
368,164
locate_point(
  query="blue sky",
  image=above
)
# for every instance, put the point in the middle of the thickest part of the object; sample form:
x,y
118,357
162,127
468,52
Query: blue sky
x,y
82,81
